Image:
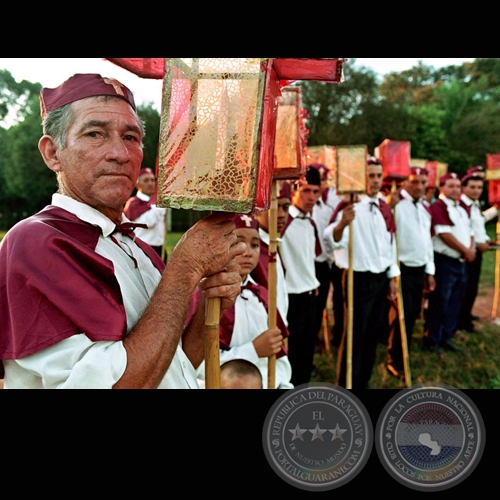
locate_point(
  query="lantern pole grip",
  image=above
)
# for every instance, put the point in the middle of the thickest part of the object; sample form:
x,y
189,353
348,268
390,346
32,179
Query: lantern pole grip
x,y
350,307
212,343
272,281
401,313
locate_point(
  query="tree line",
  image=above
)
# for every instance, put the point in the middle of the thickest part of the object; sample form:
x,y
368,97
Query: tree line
x,y
450,115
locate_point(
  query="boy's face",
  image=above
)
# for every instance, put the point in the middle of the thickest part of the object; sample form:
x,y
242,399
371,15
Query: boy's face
x,y
249,259
282,215
306,197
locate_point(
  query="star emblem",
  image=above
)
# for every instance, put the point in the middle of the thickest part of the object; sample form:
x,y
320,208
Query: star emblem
x,y
297,433
317,433
337,433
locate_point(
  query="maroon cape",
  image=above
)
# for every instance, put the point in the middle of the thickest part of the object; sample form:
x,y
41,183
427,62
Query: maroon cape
x,y
385,209
440,215
135,207
54,285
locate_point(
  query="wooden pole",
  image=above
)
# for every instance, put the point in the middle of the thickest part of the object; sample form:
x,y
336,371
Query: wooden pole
x,y
272,281
401,313
350,305
212,343
164,246
497,275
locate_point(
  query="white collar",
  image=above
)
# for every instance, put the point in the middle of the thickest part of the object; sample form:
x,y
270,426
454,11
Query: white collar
x,y
85,213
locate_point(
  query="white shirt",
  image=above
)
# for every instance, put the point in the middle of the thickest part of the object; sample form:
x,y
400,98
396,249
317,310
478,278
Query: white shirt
x,y
155,220
281,289
321,215
477,219
250,320
77,362
298,251
414,236
461,229
374,250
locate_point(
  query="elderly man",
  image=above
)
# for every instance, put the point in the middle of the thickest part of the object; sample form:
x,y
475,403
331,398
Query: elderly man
x,y
454,248
84,303
374,272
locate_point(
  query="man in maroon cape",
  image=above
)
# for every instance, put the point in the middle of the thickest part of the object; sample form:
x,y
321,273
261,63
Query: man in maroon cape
x,y
141,208
84,303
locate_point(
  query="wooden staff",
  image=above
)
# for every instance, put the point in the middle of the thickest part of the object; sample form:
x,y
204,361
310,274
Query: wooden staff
x,y
272,279
497,275
401,313
351,179
350,305
164,246
212,343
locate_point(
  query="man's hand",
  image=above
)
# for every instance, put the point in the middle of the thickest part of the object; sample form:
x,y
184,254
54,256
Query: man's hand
x,y
392,292
226,285
208,247
429,283
469,254
348,214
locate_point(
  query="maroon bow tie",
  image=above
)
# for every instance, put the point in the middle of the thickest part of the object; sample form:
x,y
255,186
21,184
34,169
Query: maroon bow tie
x,y
127,228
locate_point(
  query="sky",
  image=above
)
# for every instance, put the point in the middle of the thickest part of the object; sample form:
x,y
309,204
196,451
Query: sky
x,y
51,72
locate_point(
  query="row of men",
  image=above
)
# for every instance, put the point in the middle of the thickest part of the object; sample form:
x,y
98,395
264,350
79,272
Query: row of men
x,y
86,303
315,260
434,249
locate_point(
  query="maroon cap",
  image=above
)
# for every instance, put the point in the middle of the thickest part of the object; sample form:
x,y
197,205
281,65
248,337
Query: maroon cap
x,y
80,86
418,171
476,175
285,190
372,160
245,221
476,169
146,170
449,175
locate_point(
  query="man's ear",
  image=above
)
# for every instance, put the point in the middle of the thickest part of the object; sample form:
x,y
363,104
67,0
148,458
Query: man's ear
x,y
49,152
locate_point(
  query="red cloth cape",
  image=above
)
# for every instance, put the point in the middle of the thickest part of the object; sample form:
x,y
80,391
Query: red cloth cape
x,y
385,209
440,215
135,207
54,285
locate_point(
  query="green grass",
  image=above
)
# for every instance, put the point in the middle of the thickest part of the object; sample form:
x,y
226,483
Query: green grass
x,y
477,368
172,239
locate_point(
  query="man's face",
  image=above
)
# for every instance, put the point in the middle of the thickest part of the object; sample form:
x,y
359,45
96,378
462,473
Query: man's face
x,y
306,197
146,184
452,189
282,216
473,189
103,155
373,180
416,185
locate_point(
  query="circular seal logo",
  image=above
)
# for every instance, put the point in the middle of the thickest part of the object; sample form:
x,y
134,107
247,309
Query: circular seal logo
x,y
317,436
430,437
